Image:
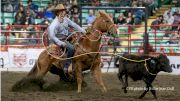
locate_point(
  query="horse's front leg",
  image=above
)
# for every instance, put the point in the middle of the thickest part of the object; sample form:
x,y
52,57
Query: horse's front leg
x,y
78,71
98,76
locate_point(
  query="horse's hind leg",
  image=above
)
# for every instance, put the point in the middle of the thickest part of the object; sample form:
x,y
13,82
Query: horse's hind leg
x,y
98,77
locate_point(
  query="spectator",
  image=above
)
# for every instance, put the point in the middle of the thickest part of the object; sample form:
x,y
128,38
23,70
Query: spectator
x,y
49,14
19,18
90,18
18,6
130,19
29,18
32,13
40,14
134,3
74,10
149,47
177,3
163,27
169,19
21,8
121,19
138,16
161,19
176,16
8,7
150,5
167,13
155,24
32,6
95,3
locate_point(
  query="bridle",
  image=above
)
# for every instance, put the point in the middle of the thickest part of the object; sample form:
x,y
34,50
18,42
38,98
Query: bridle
x,y
109,28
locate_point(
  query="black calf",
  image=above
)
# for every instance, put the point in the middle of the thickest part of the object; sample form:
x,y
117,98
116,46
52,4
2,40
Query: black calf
x,y
138,70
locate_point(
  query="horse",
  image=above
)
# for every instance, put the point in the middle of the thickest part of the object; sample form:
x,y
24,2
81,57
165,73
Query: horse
x,y
90,42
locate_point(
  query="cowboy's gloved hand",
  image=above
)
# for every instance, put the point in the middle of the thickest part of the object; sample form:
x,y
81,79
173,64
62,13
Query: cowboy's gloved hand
x,y
84,32
61,43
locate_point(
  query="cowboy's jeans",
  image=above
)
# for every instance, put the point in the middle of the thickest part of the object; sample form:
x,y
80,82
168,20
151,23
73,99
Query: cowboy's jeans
x,y
70,53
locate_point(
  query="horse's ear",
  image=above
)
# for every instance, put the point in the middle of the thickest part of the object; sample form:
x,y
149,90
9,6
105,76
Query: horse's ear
x,y
102,13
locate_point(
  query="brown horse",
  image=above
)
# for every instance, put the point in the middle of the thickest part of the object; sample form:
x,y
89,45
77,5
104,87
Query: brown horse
x,y
87,43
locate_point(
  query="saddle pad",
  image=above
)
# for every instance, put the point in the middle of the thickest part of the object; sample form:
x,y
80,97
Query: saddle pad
x,y
55,50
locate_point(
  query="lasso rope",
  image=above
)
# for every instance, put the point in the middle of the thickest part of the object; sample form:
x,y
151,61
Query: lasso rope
x,y
60,57
145,64
97,38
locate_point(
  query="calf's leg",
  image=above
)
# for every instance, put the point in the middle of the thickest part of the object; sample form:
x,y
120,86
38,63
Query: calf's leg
x,y
148,85
144,93
120,76
153,92
126,83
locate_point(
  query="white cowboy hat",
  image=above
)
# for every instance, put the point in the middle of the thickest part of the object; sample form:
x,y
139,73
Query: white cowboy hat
x,y
59,7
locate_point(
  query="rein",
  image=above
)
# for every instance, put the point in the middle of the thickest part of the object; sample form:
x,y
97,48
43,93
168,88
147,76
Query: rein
x,y
99,34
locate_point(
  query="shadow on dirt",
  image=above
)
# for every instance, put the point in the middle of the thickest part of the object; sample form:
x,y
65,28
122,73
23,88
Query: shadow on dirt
x,y
38,84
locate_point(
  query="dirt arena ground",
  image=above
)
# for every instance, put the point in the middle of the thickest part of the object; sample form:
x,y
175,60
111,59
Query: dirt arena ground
x,y
92,91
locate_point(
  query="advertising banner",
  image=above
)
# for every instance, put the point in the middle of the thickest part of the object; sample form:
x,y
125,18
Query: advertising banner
x,y
23,60
20,59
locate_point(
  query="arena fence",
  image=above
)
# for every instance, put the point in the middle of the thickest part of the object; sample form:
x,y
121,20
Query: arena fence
x,y
21,48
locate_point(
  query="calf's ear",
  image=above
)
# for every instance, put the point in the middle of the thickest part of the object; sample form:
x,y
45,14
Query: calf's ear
x,y
153,61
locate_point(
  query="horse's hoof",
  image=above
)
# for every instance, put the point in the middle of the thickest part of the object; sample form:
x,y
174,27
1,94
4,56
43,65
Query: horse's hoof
x,y
123,87
140,97
78,92
104,90
125,91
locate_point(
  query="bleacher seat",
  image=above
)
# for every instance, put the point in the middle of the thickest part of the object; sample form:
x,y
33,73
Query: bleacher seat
x,y
37,2
12,39
38,21
116,15
84,15
45,1
43,4
176,50
3,39
8,20
123,29
8,15
110,11
134,50
85,10
83,21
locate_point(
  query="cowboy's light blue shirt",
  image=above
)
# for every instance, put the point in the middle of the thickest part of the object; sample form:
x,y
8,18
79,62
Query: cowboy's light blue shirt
x,y
57,27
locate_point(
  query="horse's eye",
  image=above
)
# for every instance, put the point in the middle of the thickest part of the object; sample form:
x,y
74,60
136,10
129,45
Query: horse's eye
x,y
107,21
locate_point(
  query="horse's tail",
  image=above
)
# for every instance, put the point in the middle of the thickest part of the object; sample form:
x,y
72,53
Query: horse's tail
x,y
34,70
